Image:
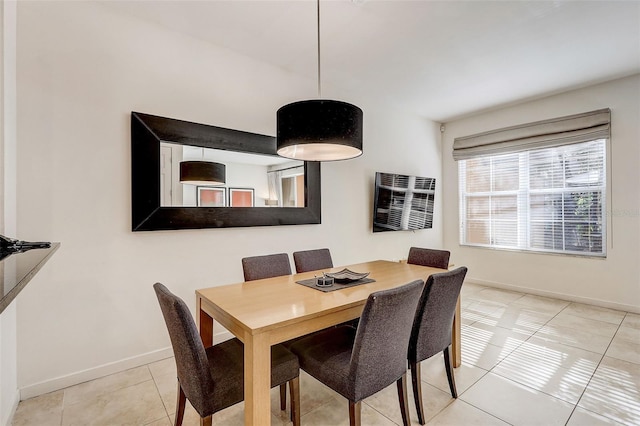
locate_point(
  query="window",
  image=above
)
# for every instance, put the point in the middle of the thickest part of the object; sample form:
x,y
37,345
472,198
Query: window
x,y
548,200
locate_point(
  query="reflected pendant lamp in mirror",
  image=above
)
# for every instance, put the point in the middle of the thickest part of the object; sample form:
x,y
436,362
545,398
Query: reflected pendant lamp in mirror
x,y
319,130
202,173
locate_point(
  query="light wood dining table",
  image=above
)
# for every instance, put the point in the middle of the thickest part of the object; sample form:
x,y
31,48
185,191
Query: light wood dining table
x,y
265,312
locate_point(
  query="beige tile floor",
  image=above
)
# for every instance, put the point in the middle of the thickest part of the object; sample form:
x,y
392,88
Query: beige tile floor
x,y
527,360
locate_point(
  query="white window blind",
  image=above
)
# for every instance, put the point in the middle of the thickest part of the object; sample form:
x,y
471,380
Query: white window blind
x,y
549,200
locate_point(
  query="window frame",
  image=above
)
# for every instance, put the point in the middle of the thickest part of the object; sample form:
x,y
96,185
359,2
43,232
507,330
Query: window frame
x,y
523,196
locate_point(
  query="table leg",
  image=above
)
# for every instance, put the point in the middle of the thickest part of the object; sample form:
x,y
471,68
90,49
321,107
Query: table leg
x,y
257,380
205,324
456,337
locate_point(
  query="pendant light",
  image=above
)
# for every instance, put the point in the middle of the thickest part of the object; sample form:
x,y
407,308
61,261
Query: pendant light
x,y
202,173
319,129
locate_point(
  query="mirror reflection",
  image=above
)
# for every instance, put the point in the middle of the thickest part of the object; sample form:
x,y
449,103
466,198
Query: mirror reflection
x,y
252,180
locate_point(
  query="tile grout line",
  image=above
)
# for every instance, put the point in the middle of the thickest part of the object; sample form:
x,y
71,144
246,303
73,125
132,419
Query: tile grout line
x,y
490,370
166,410
590,378
106,394
486,412
519,384
382,414
594,373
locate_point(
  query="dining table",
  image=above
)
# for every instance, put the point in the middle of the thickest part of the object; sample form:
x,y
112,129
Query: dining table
x,y
265,312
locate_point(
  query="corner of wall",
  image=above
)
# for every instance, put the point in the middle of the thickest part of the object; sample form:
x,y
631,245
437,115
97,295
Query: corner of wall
x,y
9,393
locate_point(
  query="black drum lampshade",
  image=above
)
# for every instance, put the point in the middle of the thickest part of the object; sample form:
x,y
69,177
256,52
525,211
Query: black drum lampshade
x,y
319,130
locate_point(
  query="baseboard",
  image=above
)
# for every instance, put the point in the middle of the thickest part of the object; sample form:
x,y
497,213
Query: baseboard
x,y
93,373
568,297
62,382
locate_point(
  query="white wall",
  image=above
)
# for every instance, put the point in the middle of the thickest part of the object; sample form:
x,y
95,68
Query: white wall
x,y
9,395
614,281
81,71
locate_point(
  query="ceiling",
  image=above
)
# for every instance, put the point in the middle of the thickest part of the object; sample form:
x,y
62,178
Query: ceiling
x,y
440,59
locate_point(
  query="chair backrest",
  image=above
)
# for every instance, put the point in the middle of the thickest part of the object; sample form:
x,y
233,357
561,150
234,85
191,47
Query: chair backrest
x,y
268,266
312,260
379,358
429,257
191,358
434,317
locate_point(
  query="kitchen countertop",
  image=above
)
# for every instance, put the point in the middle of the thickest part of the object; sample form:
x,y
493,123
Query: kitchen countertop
x,y
17,269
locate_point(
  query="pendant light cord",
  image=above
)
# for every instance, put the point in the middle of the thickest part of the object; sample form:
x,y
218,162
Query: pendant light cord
x,y
319,85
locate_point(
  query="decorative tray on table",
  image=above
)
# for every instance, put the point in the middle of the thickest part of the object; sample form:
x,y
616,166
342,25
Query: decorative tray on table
x,y
346,276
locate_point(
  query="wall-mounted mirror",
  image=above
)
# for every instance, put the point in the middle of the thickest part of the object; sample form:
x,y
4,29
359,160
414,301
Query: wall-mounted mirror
x,y
261,188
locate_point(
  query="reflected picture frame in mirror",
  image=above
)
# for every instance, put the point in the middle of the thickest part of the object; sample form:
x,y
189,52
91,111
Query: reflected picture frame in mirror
x,y
147,133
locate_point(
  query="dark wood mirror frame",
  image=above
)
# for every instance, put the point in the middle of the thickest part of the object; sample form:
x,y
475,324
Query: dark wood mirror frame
x,y
147,131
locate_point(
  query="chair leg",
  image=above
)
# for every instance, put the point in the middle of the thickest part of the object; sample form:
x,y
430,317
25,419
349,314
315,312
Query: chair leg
x,y
448,365
402,397
354,413
416,381
283,396
294,389
206,421
180,404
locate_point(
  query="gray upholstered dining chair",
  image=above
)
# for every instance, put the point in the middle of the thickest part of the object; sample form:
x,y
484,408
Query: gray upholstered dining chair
x,y
212,379
268,266
312,260
358,363
431,333
429,257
